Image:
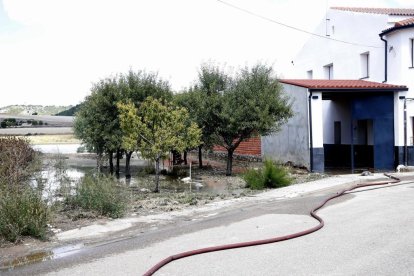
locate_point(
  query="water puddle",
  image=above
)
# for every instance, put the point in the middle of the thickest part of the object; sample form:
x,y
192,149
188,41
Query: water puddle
x,y
42,256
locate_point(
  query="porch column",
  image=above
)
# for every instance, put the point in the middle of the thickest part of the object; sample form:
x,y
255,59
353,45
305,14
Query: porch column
x,y
317,151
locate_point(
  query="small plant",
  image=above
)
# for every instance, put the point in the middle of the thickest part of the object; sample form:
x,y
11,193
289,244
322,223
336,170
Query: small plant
x,y
81,149
22,213
101,194
270,176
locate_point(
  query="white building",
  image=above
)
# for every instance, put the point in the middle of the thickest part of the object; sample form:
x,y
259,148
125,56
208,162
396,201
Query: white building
x,y
355,116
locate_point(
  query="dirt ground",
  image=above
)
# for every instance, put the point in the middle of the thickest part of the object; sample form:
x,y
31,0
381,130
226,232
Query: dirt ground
x,y
142,202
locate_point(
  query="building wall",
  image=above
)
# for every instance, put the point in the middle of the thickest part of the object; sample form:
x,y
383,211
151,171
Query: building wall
x,y
336,111
249,147
360,28
291,143
400,72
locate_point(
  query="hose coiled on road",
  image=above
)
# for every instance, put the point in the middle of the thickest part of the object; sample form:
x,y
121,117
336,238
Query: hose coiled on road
x,y
313,214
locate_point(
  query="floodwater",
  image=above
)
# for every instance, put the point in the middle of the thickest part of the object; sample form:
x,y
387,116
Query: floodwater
x,y
69,174
57,148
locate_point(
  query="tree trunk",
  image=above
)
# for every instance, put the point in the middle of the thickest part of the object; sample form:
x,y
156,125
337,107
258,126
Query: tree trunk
x,y
157,175
229,161
127,164
200,157
185,157
99,162
118,153
111,162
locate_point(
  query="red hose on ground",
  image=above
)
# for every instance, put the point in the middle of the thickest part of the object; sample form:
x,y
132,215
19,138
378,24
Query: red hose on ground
x,y
171,258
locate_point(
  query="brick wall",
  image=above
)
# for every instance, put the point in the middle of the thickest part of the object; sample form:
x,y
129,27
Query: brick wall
x,y
252,146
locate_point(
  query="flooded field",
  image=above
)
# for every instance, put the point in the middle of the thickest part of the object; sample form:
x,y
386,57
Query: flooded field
x,y
64,168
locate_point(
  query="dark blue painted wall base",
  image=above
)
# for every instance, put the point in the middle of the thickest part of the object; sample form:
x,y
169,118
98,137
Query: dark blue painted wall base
x,y
339,156
318,160
399,156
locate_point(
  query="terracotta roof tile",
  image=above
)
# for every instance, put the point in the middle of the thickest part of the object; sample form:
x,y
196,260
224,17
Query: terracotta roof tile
x,y
406,22
341,84
389,11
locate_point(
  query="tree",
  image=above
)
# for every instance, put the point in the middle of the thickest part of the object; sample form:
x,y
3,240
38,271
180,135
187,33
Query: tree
x,y
136,87
97,121
157,128
253,104
203,102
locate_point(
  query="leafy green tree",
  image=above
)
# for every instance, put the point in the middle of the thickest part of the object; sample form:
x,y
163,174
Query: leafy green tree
x,y
253,104
136,87
156,128
203,102
96,122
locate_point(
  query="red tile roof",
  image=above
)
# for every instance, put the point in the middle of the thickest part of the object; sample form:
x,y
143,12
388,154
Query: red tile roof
x,y
406,22
389,11
342,84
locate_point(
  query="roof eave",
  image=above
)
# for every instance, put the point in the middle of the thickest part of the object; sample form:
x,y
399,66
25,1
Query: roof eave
x,y
391,89
393,29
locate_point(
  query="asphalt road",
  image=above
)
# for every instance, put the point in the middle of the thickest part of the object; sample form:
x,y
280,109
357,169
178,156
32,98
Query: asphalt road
x,y
365,233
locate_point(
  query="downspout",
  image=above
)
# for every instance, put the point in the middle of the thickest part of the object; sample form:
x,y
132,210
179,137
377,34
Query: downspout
x,y
310,132
385,58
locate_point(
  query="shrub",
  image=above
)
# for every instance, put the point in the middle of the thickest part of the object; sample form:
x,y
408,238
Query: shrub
x,y
18,161
100,194
81,149
22,213
270,176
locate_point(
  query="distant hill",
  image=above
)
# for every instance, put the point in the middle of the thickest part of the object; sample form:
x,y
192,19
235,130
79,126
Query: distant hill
x,y
69,112
33,109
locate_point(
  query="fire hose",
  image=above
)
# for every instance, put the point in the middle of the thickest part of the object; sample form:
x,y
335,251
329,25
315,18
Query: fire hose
x,y
313,214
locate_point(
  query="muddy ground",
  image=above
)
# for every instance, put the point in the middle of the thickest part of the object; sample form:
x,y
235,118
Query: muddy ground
x,y
216,187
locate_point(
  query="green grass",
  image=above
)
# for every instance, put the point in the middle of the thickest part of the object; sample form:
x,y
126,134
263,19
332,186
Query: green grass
x,y
270,176
100,194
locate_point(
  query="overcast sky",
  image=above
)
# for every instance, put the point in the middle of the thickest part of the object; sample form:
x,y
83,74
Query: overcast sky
x,y
51,51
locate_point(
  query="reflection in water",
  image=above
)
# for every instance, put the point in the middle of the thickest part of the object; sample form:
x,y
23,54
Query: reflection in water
x,y
57,148
41,256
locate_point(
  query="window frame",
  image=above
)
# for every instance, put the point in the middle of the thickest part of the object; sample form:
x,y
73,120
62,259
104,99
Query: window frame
x,y
364,71
328,71
411,46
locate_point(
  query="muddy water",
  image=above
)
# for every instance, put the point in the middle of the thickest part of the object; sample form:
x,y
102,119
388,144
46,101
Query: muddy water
x,y
73,167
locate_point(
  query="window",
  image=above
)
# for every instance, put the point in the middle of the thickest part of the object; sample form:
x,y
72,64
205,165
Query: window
x,y
337,132
364,65
309,74
412,52
328,71
327,26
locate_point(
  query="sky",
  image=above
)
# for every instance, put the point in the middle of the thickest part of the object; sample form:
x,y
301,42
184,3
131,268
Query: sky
x,y
52,51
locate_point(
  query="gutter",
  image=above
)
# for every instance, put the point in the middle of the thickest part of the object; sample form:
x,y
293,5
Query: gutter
x,y
385,57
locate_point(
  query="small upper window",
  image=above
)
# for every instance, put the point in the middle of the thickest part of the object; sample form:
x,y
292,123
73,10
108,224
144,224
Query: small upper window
x,y
328,71
327,27
364,65
309,74
412,52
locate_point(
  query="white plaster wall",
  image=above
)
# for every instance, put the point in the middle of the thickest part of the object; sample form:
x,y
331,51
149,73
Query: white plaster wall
x,y
336,111
399,72
317,120
354,27
362,28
